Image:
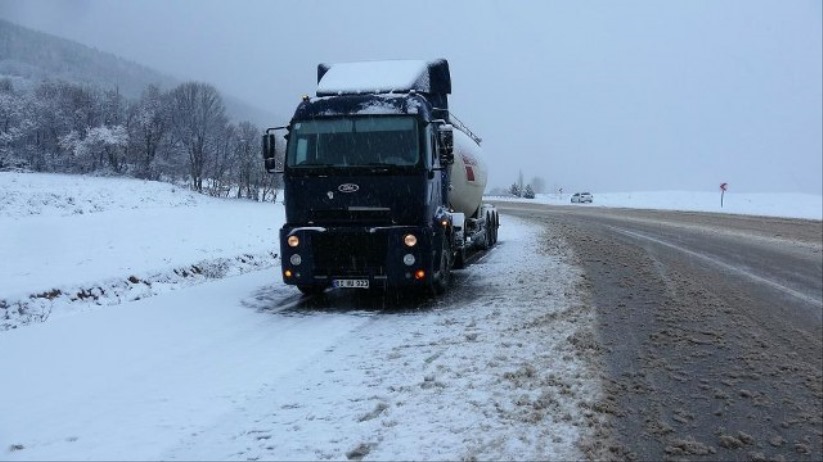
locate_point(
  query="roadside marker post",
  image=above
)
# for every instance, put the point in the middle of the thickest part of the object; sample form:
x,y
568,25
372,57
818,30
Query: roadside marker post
x,y
723,187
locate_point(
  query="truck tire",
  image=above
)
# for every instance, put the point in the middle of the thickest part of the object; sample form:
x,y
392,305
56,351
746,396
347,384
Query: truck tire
x,y
440,281
494,225
486,241
460,259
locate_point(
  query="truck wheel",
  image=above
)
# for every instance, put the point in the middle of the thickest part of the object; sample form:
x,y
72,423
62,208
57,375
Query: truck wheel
x,y
311,290
486,242
494,228
441,280
460,259
496,225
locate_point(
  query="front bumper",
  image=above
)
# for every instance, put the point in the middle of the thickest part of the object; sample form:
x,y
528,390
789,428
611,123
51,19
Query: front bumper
x,y
374,253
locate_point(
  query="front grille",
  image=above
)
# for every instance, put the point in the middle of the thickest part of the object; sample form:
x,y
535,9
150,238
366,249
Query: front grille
x,y
342,254
352,215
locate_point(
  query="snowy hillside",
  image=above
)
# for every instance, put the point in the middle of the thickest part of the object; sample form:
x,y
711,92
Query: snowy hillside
x,y
74,243
28,57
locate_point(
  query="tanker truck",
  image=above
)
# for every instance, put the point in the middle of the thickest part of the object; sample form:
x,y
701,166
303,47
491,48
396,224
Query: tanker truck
x,y
382,185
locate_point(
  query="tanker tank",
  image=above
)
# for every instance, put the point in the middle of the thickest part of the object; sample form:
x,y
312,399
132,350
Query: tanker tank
x,y
468,175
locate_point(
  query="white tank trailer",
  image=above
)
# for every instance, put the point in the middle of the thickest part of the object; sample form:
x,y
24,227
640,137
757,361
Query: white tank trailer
x,y
475,223
468,175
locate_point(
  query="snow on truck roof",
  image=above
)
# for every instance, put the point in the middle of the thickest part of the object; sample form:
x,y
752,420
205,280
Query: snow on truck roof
x,y
393,76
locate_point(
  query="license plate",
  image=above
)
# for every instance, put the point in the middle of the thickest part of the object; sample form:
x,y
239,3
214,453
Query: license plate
x,y
351,283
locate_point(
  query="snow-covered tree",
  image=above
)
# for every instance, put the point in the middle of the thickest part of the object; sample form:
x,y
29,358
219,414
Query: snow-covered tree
x,y
149,128
113,113
62,126
252,180
198,119
16,122
59,109
97,143
222,164
248,161
528,192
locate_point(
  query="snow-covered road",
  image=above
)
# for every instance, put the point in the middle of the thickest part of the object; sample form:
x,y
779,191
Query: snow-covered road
x,y
128,381
501,368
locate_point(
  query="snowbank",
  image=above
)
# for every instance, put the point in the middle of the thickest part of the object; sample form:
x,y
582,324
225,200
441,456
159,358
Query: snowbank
x,y
74,242
27,194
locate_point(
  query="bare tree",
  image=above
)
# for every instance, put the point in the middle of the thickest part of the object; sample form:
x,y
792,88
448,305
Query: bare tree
x,y
16,121
149,129
223,163
198,119
62,108
248,162
113,115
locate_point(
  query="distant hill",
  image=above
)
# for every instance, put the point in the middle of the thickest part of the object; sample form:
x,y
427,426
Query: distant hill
x,y
28,57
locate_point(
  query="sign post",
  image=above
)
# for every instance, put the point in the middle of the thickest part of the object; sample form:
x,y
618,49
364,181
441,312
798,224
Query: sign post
x,y
723,187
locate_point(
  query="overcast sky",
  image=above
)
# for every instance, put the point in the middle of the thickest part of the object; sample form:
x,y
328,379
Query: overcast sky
x,y
600,95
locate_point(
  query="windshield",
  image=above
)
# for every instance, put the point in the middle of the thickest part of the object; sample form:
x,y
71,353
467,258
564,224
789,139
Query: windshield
x,y
354,142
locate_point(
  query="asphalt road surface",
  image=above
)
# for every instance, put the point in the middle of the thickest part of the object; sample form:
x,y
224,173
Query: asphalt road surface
x,y
710,327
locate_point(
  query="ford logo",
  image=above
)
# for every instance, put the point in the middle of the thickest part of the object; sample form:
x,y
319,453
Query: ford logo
x,y
348,188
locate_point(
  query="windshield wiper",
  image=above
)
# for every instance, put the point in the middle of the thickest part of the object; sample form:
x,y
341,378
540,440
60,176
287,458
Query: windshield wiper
x,y
377,166
315,166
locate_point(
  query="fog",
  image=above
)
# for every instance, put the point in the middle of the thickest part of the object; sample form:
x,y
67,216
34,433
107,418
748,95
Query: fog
x,y
602,96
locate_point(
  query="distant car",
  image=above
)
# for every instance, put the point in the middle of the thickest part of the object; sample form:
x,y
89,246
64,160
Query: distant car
x,y
582,198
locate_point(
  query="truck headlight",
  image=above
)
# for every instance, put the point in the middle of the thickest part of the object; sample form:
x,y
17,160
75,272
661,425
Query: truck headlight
x,y
410,240
293,241
296,260
408,259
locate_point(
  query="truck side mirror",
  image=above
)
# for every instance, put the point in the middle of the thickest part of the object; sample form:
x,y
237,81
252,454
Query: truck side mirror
x,y
273,155
445,138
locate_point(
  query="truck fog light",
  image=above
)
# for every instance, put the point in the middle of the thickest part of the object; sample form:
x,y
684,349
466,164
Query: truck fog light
x,y
287,273
410,240
408,259
295,260
293,241
420,275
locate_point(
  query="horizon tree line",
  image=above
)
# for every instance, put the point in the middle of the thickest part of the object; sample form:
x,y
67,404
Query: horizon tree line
x,y
527,190
181,135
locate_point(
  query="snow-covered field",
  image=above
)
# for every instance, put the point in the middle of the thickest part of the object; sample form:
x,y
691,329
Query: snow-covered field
x,y
789,205
72,243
